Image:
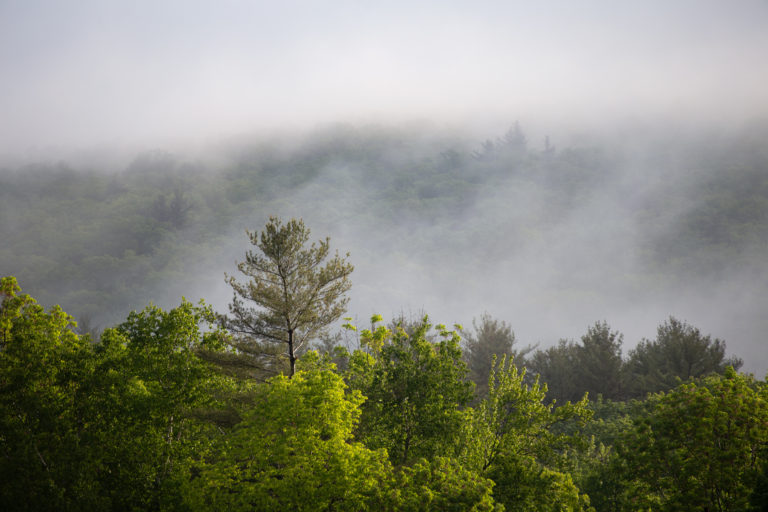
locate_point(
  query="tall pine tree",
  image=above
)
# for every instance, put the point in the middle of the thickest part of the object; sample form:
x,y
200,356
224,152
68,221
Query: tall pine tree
x,y
291,296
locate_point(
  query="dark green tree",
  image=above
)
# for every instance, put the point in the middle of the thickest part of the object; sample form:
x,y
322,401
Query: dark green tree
x,y
489,337
555,366
293,294
598,362
679,352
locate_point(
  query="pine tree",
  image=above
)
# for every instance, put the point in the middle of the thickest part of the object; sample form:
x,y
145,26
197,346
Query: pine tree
x,y
291,297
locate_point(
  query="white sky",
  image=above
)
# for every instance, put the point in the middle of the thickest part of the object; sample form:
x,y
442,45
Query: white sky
x,y
94,72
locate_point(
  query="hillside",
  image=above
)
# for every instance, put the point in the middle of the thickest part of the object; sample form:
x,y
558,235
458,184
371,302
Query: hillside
x,y
551,238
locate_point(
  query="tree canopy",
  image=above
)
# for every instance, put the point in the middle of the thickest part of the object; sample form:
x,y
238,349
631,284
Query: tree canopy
x,y
141,420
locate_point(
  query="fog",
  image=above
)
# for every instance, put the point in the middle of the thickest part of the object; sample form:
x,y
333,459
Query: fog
x,y
99,82
549,284
120,73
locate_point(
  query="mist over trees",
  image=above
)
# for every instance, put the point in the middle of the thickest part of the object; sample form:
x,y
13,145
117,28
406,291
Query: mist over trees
x,y
580,192
187,409
647,225
179,408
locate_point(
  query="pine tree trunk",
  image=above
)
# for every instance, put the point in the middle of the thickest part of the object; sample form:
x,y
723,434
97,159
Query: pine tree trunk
x,y
291,355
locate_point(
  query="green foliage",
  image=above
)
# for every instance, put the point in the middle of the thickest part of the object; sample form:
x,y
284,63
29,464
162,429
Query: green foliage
x,y
679,352
139,421
416,390
597,470
147,384
100,427
522,484
151,386
295,294
598,362
439,485
511,438
294,451
701,446
490,338
43,366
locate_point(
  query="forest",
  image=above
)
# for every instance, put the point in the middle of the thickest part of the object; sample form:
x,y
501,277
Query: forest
x,y
383,256
116,396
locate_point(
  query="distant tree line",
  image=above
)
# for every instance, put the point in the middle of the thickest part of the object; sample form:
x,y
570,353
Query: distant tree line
x,y
100,241
594,365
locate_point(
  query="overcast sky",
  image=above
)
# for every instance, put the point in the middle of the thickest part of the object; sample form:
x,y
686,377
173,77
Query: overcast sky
x,y
81,73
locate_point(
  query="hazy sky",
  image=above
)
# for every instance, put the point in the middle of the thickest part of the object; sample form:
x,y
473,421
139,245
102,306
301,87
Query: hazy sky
x,y
83,73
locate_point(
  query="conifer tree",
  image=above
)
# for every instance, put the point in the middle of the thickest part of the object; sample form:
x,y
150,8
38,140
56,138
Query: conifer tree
x,y
292,295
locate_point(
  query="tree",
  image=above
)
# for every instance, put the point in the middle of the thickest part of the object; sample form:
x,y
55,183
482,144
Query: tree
x,y
43,366
175,212
490,337
679,352
294,450
415,391
146,392
555,366
295,296
106,426
515,138
702,446
598,362
511,438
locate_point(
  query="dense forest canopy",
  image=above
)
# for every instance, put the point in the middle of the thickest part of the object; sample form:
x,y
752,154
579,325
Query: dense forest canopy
x,y
151,416
228,231
549,236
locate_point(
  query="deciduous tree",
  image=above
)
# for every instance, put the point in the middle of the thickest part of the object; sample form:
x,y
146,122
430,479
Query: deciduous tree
x,y
416,390
294,450
511,438
702,446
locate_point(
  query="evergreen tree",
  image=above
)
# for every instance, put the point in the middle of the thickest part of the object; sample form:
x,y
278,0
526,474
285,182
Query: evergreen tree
x,y
679,352
489,338
555,367
598,362
291,297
